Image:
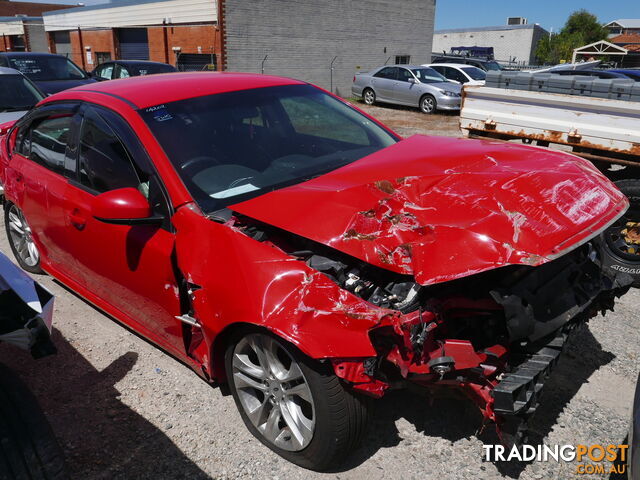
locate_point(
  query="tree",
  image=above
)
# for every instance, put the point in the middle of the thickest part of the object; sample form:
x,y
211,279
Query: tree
x,y
585,25
581,28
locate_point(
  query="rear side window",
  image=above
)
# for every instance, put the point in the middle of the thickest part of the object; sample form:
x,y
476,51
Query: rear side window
x,y
387,72
46,142
104,162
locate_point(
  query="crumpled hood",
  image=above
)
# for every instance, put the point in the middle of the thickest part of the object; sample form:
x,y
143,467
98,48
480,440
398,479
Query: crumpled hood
x,y
441,208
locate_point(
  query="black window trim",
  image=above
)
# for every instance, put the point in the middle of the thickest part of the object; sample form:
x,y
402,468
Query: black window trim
x,y
47,110
145,163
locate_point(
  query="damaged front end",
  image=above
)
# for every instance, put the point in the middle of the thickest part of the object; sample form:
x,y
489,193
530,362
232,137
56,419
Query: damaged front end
x,y
495,335
409,267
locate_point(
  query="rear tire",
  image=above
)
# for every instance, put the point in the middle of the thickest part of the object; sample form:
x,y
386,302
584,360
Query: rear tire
x,y
369,96
428,104
621,246
20,240
339,416
28,447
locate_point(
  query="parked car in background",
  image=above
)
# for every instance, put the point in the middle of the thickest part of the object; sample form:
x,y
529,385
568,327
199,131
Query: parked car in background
x,y
605,74
414,86
187,206
481,63
633,74
18,94
129,68
460,73
51,73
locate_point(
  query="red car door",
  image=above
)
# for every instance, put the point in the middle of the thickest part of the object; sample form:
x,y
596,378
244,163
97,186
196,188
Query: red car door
x,y
38,170
125,269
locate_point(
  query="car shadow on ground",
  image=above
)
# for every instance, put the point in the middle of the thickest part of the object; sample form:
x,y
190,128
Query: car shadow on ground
x,y
102,437
453,417
393,106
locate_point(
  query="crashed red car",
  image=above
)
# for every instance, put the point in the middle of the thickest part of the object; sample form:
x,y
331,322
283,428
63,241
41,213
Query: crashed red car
x,y
290,247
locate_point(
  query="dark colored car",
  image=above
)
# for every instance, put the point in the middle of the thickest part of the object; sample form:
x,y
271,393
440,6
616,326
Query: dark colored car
x,y
283,243
51,73
605,74
18,94
130,68
632,74
481,63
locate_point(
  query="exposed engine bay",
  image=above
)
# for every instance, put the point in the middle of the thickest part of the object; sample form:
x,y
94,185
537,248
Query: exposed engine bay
x,y
495,335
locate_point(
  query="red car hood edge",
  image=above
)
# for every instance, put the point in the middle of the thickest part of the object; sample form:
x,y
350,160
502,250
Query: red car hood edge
x,y
440,208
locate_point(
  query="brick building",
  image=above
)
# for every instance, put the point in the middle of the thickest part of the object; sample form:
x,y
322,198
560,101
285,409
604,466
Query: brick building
x,y
170,31
21,28
321,42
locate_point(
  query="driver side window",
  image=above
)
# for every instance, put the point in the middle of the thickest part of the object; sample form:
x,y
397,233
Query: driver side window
x,y
104,162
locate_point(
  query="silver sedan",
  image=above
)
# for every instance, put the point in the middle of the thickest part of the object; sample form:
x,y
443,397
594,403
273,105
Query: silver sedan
x,y
414,86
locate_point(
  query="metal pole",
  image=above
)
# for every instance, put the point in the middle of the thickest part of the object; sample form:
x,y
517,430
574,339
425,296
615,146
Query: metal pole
x,y
263,60
334,59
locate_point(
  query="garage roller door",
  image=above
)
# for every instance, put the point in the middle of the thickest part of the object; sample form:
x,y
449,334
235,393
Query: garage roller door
x,y
134,44
62,42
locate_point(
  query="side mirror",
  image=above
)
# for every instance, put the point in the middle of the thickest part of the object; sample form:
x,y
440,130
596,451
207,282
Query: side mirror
x,y
124,206
413,80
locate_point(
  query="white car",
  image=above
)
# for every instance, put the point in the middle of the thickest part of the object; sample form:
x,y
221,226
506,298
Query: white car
x,y
460,73
18,94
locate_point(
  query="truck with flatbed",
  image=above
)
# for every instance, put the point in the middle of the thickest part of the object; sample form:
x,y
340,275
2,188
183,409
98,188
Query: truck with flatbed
x,y
593,118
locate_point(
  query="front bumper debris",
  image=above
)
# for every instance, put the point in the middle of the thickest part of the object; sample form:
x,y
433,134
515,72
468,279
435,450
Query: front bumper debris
x,y
518,330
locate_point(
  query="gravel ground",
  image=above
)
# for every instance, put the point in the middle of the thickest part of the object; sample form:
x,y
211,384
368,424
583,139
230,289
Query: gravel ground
x,y
123,409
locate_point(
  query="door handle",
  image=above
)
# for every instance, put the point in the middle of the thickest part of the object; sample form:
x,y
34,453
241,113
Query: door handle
x,y
77,219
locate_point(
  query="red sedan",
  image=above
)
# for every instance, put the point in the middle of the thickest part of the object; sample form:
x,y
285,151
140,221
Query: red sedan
x,y
295,250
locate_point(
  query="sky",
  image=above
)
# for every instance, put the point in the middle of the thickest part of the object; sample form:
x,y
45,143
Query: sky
x,y
548,13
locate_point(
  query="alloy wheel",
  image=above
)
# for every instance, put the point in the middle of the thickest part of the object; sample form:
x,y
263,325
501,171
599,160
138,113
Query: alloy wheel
x,y
369,97
273,392
428,105
21,237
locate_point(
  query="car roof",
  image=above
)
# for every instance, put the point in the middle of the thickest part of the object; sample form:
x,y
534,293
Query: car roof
x,y
29,54
150,90
137,62
453,65
9,71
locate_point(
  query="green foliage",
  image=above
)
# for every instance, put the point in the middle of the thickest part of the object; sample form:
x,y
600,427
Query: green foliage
x,y
581,28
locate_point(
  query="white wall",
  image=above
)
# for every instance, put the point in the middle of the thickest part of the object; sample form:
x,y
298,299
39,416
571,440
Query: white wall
x,y
519,43
178,11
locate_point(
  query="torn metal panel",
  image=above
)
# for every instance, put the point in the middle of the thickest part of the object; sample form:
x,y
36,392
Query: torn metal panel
x,y
244,281
26,310
441,209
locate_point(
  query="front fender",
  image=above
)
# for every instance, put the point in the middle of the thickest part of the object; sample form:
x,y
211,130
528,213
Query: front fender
x,y
234,279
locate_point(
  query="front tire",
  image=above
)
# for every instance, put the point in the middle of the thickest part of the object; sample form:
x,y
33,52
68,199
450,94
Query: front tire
x,y
428,104
294,405
19,235
621,250
369,96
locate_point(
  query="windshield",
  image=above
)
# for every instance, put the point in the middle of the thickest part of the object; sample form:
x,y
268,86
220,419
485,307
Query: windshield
x,y
151,68
47,68
428,75
233,146
17,93
474,72
492,66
